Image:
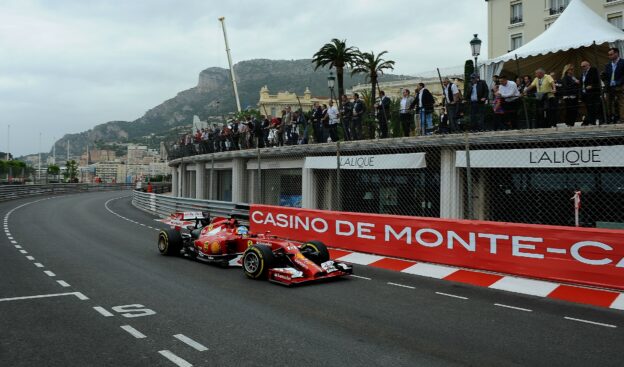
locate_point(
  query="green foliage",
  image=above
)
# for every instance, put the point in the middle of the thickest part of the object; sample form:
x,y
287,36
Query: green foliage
x,y
372,66
71,173
468,70
248,112
336,54
54,169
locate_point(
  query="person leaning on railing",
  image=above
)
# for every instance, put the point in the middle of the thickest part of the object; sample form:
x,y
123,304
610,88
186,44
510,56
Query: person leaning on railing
x,y
570,88
510,96
545,94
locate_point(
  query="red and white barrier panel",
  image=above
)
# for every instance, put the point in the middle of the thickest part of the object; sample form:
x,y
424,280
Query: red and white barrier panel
x,y
575,255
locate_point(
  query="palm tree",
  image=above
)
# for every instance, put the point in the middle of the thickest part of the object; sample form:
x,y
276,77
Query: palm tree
x,y
373,66
337,55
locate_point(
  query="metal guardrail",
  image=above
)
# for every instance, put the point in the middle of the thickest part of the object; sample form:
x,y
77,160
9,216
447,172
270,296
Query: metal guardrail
x,y
12,192
163,205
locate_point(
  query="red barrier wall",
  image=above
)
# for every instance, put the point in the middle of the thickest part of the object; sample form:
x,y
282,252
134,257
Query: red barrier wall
x,y
577,255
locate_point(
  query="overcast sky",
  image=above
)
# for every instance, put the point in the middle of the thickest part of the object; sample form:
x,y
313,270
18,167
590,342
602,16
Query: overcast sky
x,y
68,65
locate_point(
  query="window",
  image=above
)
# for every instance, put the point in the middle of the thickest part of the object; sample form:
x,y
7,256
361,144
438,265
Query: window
x,y
516,13
558,6
516,41
616,20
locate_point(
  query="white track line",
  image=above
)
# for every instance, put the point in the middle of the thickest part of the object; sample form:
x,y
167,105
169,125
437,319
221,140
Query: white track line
x,y
23,252
39,265
49,273
30,258
103,311
450,295
18,246
80,296
401,285
590,322
134,332
359,277
175,359
190,342
513,307
63,283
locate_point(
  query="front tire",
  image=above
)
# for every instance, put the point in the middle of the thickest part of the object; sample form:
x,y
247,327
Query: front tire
x,y
169,242
315,251
257,260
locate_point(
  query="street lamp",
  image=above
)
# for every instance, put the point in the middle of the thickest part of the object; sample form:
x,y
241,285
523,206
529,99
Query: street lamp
x,y
331,81
475,45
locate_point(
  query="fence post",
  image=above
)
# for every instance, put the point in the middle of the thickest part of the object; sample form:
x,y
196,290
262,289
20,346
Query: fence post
x,y
259,199
338,186
468,176
211,188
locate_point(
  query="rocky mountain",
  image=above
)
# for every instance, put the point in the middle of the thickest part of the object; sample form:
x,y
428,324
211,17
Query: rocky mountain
x,y
212,97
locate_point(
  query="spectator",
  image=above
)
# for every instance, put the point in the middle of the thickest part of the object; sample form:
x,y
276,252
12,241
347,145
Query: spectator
x,y
526,82
444,121
358,113
478,99
287,120
325,123
259,131
590,93
383,114
302,124
317,116
332,113
425,108
614,71
347,116
509,94
452,100
545,94
405,113
569,93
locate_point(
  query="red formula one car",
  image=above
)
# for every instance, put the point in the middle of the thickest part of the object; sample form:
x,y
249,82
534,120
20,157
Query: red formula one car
x,y
225,242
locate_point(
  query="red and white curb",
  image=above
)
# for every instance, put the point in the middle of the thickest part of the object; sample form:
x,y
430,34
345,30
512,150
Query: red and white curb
x,y
538,288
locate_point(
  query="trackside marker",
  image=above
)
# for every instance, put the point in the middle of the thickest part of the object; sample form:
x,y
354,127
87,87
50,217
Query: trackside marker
x,y
175,359
134,332
618,304
190,342
18,246
79,295
513,307
103,311
401,285
39,265
30,258
590,322
451,295
49,273
63,283
23,252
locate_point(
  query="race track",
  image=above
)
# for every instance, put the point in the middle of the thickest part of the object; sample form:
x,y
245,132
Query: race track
x,y
82,284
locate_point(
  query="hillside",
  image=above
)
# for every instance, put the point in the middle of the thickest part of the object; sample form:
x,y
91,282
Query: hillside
x,y
212,96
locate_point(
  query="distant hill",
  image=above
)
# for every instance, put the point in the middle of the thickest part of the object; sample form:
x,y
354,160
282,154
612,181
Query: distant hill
x,y
213,96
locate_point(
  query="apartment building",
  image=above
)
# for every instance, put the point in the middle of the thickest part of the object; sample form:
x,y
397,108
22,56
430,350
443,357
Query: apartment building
x,y
512,23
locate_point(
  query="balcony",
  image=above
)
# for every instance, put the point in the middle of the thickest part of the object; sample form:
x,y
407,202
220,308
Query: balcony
x,y
515,20
557,11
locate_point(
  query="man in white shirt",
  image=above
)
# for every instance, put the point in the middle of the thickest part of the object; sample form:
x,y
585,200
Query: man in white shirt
x,y
332,112
508,91
405,113
452,99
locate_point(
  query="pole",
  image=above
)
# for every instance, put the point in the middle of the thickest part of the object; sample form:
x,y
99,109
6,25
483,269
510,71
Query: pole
x,y
468,176
54,151
259,180
338,196
8,141
476,67
229,55
526,112
68,149
39,165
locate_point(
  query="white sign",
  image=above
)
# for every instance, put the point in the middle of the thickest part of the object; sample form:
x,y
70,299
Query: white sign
x,y
568,157
384,161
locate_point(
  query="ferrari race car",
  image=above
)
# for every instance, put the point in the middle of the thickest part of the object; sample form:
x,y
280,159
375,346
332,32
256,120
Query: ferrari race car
x,y
226,242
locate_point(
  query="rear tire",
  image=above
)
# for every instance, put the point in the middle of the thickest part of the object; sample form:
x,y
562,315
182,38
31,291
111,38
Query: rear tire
x,y
257,260
317,251
169,242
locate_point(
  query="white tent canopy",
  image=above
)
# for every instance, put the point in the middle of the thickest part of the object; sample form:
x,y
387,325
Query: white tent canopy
x,y
578,34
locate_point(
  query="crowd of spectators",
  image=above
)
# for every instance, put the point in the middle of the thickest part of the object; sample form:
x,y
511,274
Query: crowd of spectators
x,y
541,101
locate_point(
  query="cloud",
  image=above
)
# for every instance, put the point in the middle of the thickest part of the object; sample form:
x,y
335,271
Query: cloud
x,y
73,64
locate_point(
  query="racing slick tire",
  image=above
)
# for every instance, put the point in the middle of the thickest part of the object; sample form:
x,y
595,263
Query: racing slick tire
x,y
257,260
316,251
169,242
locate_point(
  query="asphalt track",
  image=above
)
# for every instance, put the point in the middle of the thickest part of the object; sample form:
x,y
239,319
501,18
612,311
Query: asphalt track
x,y
178,312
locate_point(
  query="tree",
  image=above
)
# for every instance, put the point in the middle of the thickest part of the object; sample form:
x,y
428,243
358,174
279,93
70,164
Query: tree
x,y
54,170
71,173
373,66
336,55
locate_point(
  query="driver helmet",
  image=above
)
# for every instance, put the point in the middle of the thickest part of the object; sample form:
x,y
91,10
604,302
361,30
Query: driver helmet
x,y
242,230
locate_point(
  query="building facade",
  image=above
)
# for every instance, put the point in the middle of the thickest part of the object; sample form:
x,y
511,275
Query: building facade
x,y
273,104
513,23
524,176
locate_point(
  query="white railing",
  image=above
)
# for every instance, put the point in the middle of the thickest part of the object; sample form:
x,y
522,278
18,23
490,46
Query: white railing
x,y
163,205
12,192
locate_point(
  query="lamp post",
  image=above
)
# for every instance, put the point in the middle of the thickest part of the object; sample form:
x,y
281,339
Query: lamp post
x,y
331,82
475,45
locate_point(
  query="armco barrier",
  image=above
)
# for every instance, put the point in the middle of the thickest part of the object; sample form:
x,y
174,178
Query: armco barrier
x,y
164,205
577,255
12,192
